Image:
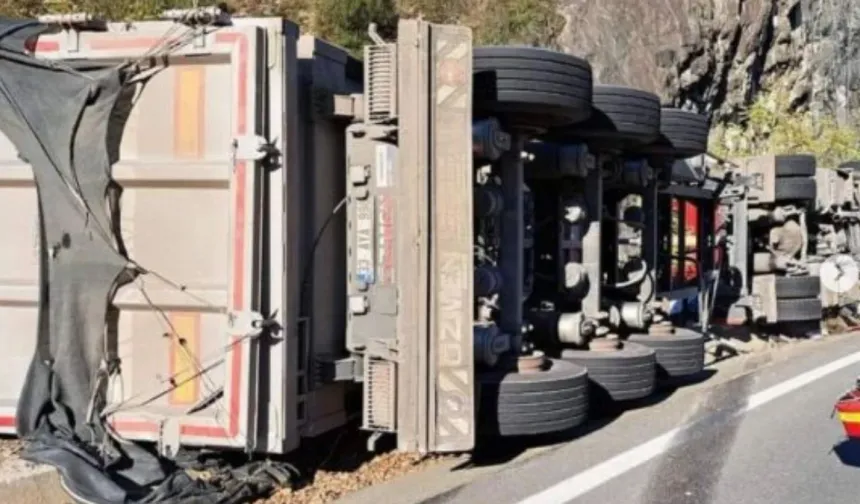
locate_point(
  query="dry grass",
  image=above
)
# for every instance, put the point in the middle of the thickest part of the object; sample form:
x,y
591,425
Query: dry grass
x,y
772,126
344,22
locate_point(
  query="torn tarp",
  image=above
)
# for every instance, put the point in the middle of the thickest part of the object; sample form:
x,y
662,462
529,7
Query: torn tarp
x,y
59,119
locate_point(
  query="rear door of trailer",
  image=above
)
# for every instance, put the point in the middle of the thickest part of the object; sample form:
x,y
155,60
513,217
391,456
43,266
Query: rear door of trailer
x,y
198,210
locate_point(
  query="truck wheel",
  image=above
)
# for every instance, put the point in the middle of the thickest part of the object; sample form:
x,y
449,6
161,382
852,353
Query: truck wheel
x,y
801,165
681,353
794,188
798,310
621,117
621,375
541,402
798,287
683,134
531,87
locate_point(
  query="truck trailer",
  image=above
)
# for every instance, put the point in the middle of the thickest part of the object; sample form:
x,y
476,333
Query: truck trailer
x,y
439,239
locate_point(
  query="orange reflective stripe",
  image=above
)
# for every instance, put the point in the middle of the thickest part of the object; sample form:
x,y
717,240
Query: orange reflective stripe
x,y
190,100
183,358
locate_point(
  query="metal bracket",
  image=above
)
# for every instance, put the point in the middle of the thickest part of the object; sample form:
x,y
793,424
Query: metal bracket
x,y
338,106
169,435
331,369
212,15
734,191
78,21
252,148
73,24
752,181
249,324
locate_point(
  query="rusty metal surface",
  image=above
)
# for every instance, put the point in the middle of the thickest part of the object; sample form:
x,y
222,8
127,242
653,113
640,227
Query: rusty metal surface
x,y
531,363
607,343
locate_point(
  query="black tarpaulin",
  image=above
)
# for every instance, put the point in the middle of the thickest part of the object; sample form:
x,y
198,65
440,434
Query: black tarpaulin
x,y
64,122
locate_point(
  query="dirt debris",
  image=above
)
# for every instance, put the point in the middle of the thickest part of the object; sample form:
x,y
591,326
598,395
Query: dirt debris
x,y
9,448
330,485
347,468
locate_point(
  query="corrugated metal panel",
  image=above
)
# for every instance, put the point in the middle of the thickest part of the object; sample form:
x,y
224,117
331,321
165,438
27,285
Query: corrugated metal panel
x,y
189,214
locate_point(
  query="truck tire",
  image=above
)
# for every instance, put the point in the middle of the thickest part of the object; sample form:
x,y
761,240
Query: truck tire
x,y
798,310
683,134
801,165
620,375
798,287
679,354
621,117
794,188
531,87
525,404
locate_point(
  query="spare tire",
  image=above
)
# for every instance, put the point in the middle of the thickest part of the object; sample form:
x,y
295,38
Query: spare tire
x,y
620,375
797,287
794,189
621,118
517,404
531,87
681,353
683,134
798,310
800,165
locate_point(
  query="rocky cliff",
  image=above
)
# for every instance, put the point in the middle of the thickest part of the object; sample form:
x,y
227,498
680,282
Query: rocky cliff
x,y
715,55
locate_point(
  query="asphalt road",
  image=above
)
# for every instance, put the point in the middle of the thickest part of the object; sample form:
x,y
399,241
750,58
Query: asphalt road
x,y
763,435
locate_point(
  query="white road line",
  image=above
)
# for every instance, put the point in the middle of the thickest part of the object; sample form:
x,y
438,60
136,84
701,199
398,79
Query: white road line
x,y
584,482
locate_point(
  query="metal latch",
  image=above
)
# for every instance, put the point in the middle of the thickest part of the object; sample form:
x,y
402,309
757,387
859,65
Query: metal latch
x,y
252,148
250,324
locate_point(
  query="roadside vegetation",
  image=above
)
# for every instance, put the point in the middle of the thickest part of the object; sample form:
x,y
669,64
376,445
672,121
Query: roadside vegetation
x,y
771,126
344,22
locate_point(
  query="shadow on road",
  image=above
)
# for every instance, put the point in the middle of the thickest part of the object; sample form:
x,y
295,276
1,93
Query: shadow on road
x,y
848,452
685,473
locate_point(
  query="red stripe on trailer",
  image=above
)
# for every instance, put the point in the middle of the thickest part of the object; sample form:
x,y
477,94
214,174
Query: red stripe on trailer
x,y
7,421
47,46
239,236
134,426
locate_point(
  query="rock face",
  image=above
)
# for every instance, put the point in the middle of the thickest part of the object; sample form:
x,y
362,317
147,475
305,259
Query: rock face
x,y
715,55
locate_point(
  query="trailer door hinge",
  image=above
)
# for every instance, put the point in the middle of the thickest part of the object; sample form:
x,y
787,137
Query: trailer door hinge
x,y
252,148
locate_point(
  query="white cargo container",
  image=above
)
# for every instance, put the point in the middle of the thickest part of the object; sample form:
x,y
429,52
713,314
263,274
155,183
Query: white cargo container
x,y
201,210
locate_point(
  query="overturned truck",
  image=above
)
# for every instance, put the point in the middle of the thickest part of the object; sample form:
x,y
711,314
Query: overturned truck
x,y
220,233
